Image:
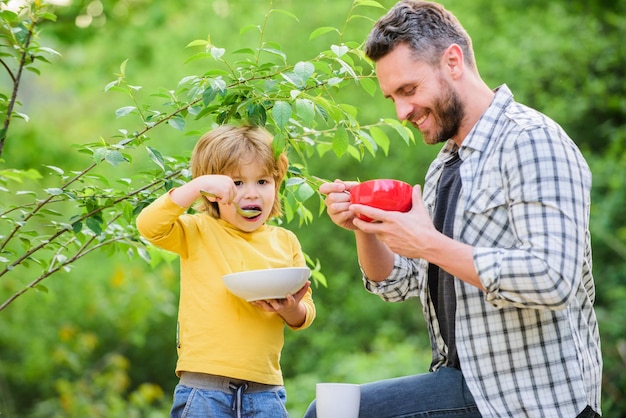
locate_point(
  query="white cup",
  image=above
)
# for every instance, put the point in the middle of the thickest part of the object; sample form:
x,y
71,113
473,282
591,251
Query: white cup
x,y
337,400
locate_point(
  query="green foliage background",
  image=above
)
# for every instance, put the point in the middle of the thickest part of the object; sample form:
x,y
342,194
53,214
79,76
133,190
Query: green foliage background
x,y
100,341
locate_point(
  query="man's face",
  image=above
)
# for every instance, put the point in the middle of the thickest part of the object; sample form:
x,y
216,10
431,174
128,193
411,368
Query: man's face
x,y
421,95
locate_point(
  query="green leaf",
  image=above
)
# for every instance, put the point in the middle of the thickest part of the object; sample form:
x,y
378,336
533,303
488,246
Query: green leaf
x,y
217,53
339,50
368,85
403,131
286,13
320,31
347,68
304,192
77,227
123,68
56,169
275,52
368,142
156,156
248,51
256,114
381,138
177,122
41,288
208,95
123,111
141,251
114,158
248,28
305,109
54,191
198,42
94,224
294,181
281,113
340,142
370,3
304,70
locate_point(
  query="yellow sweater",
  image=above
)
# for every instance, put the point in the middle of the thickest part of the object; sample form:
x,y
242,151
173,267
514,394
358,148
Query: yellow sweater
x,y
219,333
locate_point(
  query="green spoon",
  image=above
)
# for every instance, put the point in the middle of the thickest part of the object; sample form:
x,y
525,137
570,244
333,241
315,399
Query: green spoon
x,y
248,213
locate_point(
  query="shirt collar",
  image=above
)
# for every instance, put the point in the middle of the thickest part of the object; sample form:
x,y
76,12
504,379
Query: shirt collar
x,y
481,132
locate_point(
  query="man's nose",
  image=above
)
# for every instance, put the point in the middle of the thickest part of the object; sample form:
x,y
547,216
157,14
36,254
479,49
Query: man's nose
x,y
403,110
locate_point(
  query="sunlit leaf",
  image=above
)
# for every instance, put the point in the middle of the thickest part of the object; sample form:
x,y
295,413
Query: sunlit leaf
x,y
248,51
274,51
305,109
286,13
141,251
177,122
217,53
320,31
123,111
304,192
248,28
339,50
54,191
56,169
114,158
197,42
347,68
304,70
405,133
368,85
381,138
281,113
371,3
156,157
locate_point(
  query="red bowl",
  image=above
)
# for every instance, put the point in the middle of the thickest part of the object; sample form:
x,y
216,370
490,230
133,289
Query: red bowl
x,y
385,194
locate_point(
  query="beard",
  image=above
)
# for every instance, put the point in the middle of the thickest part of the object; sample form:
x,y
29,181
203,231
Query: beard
x,y
448,112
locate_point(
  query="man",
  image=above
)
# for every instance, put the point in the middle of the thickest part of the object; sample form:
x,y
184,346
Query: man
x,y
497,248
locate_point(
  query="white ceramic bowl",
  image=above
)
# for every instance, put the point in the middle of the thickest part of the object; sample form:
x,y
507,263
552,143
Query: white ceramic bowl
x,y
275,283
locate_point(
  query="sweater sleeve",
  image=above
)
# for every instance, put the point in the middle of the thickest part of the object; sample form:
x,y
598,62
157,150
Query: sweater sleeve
x,y
161,224
307,300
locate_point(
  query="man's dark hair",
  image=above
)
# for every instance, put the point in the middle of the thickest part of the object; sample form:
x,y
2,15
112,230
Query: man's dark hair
x,y
426,28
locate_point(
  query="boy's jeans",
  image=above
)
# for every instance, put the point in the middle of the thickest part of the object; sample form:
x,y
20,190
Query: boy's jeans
x,y
201,403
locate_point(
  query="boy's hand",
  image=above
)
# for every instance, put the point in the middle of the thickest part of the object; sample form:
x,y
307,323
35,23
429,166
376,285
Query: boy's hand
x,y
288,308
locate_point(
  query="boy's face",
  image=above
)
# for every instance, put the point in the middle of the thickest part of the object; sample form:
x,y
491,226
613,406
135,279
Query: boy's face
x,y
255,190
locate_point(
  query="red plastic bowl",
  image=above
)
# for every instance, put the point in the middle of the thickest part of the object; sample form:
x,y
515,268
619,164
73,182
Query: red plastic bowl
x,y
385,194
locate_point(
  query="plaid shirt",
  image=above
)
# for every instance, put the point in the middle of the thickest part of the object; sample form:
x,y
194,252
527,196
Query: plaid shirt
x,y
529,346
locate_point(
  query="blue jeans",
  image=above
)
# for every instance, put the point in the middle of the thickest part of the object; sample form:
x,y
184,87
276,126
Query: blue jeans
x,y
439,394
200,403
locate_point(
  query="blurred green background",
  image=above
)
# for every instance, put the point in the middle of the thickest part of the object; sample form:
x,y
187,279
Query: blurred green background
x,y
100,342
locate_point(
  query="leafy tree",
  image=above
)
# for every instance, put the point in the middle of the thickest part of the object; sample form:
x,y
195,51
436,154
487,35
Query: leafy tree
x,y
253,85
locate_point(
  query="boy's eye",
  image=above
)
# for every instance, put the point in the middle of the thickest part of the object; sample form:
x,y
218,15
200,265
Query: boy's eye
x,y
263,181
238,182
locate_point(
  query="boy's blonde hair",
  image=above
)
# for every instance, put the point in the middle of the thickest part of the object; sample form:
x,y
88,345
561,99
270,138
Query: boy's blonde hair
x,y
222,150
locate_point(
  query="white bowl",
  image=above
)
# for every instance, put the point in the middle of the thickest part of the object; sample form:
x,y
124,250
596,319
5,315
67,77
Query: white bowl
x,y
274,283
